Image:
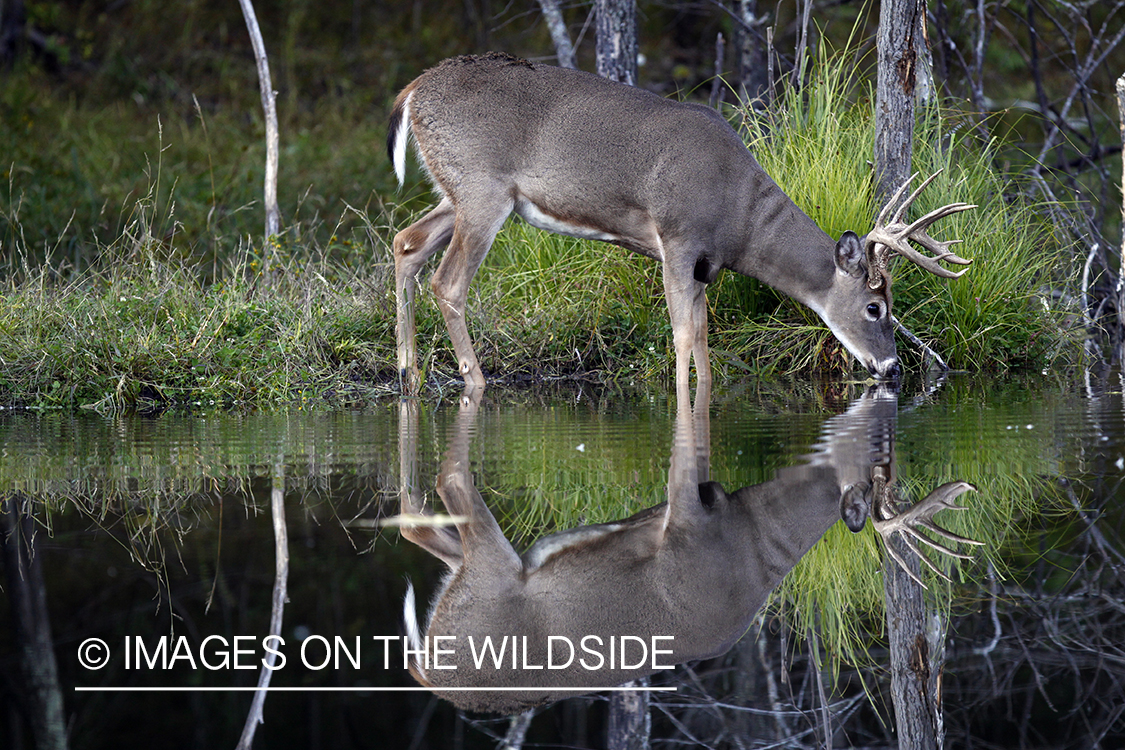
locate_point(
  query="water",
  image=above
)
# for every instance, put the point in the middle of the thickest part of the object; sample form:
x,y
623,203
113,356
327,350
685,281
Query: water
x,y
158,533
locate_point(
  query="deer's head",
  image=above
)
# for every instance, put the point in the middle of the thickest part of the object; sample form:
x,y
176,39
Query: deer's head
x,y
858,313
858,309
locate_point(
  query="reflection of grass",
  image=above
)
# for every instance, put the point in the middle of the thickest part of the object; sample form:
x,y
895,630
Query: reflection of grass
x,y
543,484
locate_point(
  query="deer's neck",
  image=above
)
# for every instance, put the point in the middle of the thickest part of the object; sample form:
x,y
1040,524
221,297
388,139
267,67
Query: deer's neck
x,y
780,245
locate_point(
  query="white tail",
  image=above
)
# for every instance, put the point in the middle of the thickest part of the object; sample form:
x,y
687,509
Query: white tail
x,y
580,155
684,578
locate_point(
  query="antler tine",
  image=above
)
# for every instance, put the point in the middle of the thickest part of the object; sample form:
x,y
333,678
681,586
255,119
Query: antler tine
x,y
896,236
920,225
877,261
898,194
931,263
906,568
918,191
925,560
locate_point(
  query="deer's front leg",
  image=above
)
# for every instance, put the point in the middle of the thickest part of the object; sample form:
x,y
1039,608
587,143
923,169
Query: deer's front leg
x,y
480,536
412,247
687,310
472,237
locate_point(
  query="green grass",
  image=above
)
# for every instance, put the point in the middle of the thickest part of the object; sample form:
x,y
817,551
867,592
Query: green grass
x,y
144,329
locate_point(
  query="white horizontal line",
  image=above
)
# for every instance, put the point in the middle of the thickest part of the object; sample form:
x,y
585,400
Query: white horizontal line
x,y
175,689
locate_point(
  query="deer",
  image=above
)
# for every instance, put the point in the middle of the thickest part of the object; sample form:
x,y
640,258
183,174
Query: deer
x,y
575,154
683,579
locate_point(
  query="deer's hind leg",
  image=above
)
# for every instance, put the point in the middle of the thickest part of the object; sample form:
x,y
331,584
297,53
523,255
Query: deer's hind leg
x,y
413,246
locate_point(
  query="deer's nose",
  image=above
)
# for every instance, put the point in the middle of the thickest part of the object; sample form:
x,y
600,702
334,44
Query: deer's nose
x,y
889,372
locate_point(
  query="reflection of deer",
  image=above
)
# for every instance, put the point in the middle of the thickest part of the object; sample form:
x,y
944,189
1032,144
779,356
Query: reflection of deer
x,y
676,582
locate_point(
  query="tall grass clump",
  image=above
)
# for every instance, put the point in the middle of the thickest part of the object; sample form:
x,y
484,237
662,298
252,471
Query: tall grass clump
x,y
817,145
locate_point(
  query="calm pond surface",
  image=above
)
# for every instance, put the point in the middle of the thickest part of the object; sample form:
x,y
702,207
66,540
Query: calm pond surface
x,y
156,535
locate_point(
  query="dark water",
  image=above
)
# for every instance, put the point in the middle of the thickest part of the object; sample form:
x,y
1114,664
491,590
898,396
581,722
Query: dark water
x,y
153,533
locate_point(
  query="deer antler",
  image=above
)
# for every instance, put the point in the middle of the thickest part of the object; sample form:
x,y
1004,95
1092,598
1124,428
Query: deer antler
x,y
887,521
887,240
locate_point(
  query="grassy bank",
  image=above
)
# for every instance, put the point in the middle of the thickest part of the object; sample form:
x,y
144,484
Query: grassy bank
x,y
168,312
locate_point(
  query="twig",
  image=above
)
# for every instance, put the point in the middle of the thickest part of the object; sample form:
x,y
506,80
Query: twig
x,y
927,351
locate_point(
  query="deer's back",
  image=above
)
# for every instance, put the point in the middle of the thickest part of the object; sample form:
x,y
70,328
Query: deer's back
x,y
553,131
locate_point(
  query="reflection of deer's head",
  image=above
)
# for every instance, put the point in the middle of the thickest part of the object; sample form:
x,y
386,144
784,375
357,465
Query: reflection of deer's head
x,y
597,606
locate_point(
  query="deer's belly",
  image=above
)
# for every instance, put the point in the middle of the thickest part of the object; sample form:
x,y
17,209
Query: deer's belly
x,y
538,218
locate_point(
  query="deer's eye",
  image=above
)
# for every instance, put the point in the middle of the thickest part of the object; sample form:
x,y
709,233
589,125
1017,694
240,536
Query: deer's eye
x,y
874,312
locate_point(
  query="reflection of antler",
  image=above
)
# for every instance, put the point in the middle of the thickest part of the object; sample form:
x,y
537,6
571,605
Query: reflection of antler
x,y
887,521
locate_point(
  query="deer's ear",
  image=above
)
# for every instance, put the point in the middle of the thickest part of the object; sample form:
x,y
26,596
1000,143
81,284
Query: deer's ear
x,y
849,255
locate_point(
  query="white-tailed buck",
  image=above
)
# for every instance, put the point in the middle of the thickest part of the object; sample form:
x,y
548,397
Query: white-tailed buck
x,y
580,155
677,582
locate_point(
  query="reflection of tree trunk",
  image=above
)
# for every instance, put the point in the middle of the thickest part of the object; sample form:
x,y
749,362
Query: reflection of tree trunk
x,y
751,689
41,697
916,662
629,721
517,730
1121,269
280,594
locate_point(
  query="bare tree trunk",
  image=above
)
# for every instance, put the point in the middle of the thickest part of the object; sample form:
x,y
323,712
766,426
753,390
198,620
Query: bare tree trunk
x,y
41,697
753,81
269,106
898,43
13,22
556,25
717,91
629,720
924,87
616,47
479,18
